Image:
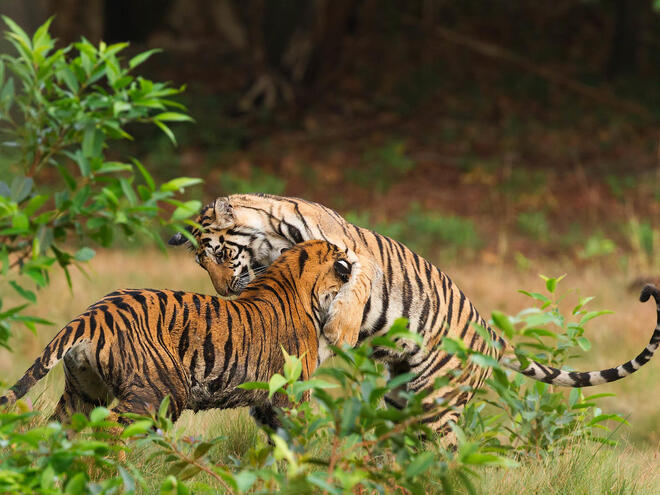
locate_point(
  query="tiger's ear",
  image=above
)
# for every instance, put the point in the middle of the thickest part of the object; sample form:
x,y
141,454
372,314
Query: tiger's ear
x,y
224,214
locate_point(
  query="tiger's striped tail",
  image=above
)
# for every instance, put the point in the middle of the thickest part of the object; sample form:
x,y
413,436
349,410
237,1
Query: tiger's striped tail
x,y
51,355
562,378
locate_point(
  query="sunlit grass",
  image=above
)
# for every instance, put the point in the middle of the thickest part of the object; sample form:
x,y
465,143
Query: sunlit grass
x,y
583,469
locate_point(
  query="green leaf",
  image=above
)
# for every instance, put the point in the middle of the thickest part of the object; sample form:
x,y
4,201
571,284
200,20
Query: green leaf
x,y
173,117
352,408
164,407
315,383
84,254
502,322
112,197
484,361
41,37
168,132
20,34
21,188
111,167
76,485
419,464
292,367
7,94
186,210
127,479
202,449
68,178
25,293
591,315
147,176
581,304
4,257
244,480
539,332
34,204
99,414
535,295
36,275
48,479
584,343
137,428
180,183
20,221
128,191
454,346
142,57
69,78
254,386
92,142
400,380
276,382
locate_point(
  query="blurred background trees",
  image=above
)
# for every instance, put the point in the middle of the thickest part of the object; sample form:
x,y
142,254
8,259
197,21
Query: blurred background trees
x,y
285,44
529,127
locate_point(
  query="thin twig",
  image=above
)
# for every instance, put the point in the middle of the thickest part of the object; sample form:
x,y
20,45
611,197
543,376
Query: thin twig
x,y
333,459
202,467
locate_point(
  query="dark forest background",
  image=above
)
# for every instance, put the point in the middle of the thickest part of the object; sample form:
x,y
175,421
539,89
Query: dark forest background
x,y
505,128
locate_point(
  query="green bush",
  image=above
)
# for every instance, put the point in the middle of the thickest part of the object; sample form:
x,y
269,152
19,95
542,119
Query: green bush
x,y
48,459
345,439
533,417
60,195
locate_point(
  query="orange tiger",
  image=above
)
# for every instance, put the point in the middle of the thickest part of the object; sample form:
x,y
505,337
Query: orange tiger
x,y
140,345
244,233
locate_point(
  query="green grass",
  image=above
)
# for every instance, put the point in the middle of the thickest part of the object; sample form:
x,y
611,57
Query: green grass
x,y
582,470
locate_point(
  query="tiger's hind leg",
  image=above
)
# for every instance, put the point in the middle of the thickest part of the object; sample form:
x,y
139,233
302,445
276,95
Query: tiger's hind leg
x,y
84,388
140,402
265,415
445,404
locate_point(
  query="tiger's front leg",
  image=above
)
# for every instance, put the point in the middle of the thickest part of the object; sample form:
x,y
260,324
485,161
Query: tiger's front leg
x,y
346,311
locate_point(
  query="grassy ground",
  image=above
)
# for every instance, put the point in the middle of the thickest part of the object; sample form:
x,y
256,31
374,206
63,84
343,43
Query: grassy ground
x,y
626,469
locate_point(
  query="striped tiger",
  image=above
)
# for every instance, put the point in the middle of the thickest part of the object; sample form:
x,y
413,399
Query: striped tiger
x,y
242,234
139,345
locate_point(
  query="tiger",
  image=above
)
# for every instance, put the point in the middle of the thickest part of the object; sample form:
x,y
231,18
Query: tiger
x,y
138,346
239,235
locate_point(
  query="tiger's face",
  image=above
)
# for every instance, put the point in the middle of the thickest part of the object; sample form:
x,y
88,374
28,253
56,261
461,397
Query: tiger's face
x,y
231,252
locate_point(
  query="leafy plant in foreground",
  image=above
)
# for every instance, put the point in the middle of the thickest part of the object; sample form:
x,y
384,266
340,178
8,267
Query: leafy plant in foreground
x,y
60,192
534,417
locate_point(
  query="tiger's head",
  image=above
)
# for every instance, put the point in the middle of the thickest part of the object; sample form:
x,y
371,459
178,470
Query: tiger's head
x,y
231,246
